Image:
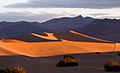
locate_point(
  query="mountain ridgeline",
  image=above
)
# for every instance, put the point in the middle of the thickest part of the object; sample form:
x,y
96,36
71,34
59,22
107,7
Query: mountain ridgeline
x,y
107,29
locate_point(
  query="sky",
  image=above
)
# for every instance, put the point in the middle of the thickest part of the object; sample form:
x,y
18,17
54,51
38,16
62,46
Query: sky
x,y
43,10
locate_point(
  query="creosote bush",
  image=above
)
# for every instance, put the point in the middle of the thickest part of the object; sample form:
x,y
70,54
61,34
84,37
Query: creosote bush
x,y
68,61
112,65
98,53
16,69
118,54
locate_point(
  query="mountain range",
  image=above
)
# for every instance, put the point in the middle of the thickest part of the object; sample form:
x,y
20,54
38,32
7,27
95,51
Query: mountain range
x,y
107,29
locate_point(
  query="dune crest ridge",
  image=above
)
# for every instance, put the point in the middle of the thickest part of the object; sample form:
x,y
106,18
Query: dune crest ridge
x,y
50,36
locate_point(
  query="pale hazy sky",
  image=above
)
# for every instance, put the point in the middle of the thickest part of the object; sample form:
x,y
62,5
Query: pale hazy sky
x,y
42,10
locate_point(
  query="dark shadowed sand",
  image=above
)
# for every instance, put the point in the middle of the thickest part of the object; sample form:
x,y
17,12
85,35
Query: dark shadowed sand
x,y
88,63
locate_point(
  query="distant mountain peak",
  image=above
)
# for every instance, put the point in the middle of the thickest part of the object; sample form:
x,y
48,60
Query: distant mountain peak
x,y
79,17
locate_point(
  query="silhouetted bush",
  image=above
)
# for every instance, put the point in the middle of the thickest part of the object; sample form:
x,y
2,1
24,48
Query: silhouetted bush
x,y
97,52
17,69
118,54
67,62
112,66
68,56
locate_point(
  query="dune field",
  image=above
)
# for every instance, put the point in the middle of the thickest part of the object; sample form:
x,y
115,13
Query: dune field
x,y
39,57
53,48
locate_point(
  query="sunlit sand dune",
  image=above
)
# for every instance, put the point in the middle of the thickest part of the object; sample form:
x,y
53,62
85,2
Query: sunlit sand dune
x,y
10,40
5,52
50,36
42,49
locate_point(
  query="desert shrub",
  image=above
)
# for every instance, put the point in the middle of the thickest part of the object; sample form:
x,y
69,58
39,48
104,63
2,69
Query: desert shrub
x,y
68,56
16,69
112,66
98,53
118,54
67,62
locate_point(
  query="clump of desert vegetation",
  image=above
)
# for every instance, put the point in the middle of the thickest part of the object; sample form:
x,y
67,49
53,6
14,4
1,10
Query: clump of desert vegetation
x,y
16,69
98,53
68,61
112,65
118,54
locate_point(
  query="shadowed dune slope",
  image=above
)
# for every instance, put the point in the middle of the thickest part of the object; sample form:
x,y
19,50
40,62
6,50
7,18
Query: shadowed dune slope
x,y
76,36
71,36
35,38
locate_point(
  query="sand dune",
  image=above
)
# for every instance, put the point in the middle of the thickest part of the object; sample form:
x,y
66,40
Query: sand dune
x,y
76,36
93,38
33,37
39,57
6,52
50,36
42,49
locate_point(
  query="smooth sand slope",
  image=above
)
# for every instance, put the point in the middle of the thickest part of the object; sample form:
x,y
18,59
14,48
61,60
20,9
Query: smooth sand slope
x,y
55,48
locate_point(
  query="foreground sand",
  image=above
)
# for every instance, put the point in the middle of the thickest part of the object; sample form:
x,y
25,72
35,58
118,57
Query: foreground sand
x,y
88,63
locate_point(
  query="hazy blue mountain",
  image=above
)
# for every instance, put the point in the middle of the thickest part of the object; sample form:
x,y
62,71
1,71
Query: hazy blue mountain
x,y
20,28
4,24
66,23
